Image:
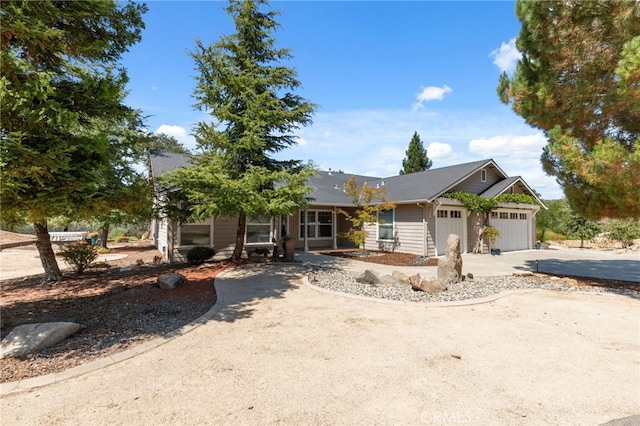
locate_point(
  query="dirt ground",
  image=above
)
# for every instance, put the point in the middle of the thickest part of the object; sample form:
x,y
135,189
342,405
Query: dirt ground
x,y
122,309
119,308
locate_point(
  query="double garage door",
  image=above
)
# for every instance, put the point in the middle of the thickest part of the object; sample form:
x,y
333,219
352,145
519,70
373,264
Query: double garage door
x,y
514,227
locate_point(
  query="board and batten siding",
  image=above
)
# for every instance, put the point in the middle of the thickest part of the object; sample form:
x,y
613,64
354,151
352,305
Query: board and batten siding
x,y
474,185
224,236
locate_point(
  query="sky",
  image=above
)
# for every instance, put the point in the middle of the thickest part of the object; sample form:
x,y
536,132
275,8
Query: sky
x,y
378,71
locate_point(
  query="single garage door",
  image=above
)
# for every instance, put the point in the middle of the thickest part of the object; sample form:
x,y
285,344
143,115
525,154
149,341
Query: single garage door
x,y
513,226
449,221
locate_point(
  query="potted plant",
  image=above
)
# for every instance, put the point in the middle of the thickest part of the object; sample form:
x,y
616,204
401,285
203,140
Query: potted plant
x,y
492,233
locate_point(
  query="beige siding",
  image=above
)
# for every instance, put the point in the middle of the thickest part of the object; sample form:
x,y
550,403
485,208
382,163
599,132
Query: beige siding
x,y
474,184
409,229
224,236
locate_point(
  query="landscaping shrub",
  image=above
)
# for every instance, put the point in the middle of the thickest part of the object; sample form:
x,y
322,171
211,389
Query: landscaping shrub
x,y
623,231
121,239
199,254
79,256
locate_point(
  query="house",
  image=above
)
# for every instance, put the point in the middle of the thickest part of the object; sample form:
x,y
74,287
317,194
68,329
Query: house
x,y
420,223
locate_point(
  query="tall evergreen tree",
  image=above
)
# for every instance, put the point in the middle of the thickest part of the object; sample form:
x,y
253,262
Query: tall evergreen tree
x,y
416,159
579,82
250,97
58,88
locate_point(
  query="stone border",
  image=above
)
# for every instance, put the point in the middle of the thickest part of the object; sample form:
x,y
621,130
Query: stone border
x,y
97,364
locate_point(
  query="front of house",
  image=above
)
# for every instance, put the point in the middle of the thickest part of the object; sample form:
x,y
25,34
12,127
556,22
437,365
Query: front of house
x,y
419,224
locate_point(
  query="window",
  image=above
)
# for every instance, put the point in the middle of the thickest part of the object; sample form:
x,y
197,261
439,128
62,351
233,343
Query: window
x,y
319,224
456,214
258,230
494,215
385,225
523,216
504,215
513,215
443,213
483,175
195,234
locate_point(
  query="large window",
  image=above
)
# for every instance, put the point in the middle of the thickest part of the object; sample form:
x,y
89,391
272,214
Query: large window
x,y
195,234
385,225
318,224
258,230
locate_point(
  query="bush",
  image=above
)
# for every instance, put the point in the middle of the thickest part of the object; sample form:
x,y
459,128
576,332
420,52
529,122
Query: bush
x,y
121,239
549,235
199,254
79,256
623,231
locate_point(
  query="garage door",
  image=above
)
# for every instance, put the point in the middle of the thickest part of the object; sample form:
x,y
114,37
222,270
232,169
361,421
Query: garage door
x,y
514,229
449,221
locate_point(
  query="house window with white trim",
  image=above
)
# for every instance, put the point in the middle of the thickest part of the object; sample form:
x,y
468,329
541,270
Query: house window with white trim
x,y
258,230
318,224
385,225
483,175
195,234
443,213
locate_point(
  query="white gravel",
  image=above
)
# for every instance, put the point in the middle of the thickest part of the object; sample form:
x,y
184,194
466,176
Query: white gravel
x,y
345,282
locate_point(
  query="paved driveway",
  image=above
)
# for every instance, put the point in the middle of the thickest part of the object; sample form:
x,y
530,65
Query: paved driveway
x,y
276,351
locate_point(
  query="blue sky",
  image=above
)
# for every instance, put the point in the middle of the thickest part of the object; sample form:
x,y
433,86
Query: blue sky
x,y
378,71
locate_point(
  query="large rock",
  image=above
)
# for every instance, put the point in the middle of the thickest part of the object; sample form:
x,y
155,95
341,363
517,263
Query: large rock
x,y
450,268
430,286
388,279
368,277
414,281
28,338
400,276
171,281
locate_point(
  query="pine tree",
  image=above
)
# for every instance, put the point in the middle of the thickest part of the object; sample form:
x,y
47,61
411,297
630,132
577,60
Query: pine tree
x,y
249,95
416,159
579,82
59,90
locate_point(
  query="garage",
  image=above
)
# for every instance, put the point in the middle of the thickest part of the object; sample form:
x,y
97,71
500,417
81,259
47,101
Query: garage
x,y
450,220
514,228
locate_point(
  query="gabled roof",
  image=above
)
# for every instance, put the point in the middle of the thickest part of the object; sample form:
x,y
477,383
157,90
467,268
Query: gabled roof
x,y
161,162
423,186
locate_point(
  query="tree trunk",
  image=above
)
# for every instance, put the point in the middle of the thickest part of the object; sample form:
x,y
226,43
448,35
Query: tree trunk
x,y
104,234
47,256
242,223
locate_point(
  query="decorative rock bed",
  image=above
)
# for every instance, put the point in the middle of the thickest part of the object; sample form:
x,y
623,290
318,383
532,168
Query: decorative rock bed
x,y
345,282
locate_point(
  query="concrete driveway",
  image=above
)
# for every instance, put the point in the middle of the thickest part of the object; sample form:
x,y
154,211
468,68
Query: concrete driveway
x,y
275,351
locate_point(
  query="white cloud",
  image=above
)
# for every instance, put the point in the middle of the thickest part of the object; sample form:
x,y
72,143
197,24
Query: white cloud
x,y
178,132
506,56
431,93
301,141
440,151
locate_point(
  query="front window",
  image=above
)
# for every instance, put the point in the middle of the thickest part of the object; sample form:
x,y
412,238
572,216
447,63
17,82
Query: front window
x,y
195,234
258,230
316,223
385,225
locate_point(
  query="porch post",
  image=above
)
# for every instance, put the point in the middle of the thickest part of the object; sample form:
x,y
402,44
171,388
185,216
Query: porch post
x,y
334,219
306,231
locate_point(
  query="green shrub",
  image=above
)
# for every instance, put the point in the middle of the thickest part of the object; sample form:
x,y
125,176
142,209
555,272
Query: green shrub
x,y
79,256
199,254
549,235
623,230
121,239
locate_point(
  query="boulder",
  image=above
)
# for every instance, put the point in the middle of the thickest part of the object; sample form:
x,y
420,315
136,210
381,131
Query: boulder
x,y
450,268
399,276
171,281
368,277
28,338
430,286
388,279
414,280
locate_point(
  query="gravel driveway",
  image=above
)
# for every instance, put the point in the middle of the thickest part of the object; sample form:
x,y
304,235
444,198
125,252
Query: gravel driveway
x,y
276,351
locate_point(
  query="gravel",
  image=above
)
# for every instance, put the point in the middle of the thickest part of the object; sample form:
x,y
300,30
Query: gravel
x,y
345,282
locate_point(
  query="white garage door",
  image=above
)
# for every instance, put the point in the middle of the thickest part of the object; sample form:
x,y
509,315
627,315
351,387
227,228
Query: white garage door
x,y
449,221
514,229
